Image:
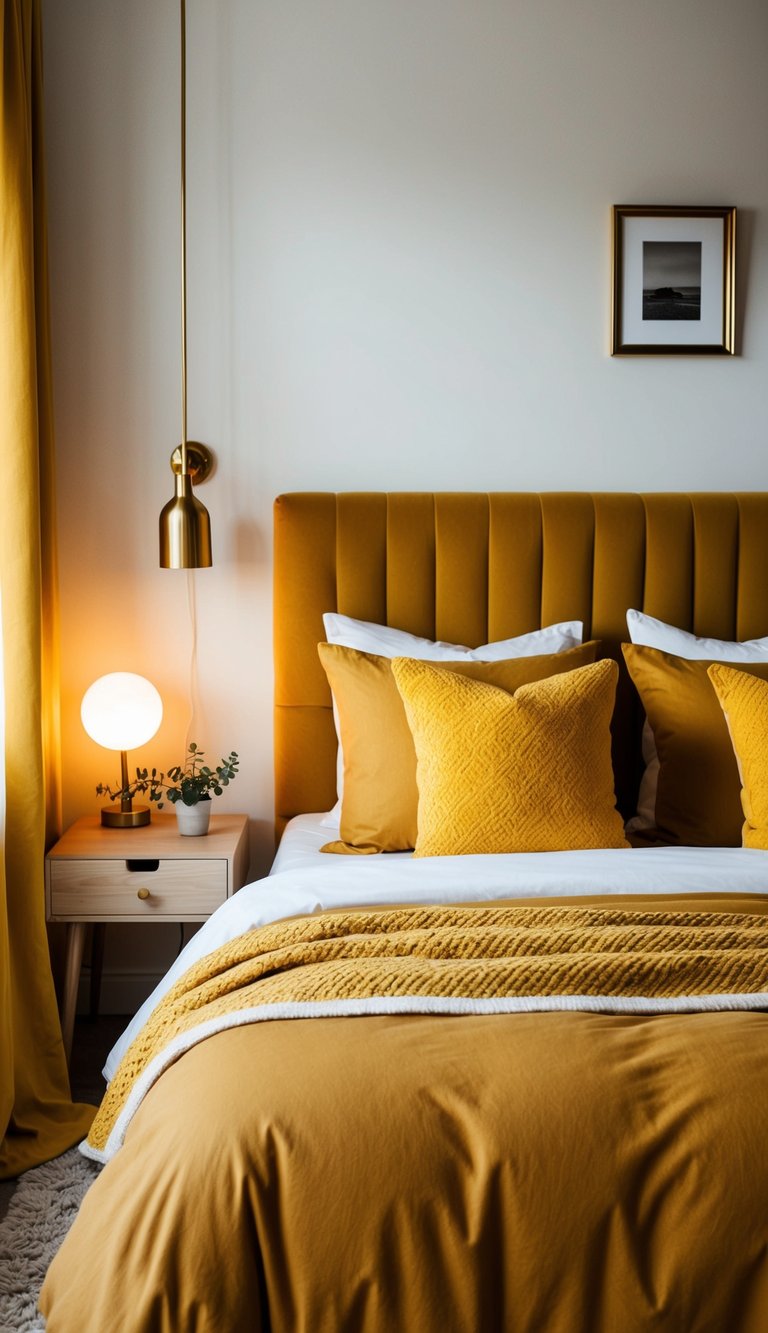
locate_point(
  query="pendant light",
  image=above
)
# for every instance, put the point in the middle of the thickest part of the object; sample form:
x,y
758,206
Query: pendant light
x,y
185,526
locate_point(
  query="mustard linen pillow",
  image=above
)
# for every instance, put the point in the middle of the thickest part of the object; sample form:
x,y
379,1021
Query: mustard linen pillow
x,y
744,700
528,772
380,797
697,797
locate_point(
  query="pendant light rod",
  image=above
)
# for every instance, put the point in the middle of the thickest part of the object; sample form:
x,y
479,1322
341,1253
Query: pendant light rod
x,y
183,15
185,525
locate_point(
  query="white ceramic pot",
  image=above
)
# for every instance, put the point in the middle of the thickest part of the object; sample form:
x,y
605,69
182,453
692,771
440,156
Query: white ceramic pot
x,y
193,820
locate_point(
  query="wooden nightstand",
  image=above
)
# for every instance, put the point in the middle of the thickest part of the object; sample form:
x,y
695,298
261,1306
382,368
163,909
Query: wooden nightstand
x,y
97,874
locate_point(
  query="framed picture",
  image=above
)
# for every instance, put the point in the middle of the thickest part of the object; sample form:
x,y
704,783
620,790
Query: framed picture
x,y
674,272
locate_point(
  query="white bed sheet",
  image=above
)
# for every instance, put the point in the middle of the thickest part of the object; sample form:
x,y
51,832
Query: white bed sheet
x,y
301,842
304,880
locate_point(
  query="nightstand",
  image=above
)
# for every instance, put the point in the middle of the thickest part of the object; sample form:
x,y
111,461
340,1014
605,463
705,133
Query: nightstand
x,y
99,875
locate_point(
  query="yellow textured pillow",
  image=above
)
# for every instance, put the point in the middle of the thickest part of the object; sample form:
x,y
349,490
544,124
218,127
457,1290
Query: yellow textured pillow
x,y
697,798
380,800
744,700
528,772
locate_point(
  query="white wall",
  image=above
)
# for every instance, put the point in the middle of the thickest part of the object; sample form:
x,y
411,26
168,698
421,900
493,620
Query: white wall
x,y
399,235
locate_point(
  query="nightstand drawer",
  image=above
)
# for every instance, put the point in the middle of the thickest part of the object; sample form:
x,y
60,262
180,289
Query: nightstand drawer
x,y
101,889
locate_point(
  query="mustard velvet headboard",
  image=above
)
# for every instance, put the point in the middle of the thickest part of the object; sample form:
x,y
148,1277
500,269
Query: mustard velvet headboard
x,y
470,568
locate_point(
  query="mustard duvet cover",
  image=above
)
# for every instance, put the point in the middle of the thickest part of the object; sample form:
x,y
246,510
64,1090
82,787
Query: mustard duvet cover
x,y
536,1119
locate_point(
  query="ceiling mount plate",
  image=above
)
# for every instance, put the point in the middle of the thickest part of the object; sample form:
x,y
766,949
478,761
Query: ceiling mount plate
x,y
200,461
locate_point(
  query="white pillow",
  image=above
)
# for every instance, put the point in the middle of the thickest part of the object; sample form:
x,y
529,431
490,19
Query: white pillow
x,y
384,641
652,633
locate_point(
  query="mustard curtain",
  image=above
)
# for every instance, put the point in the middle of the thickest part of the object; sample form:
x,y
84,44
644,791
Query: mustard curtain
x,y
37,1117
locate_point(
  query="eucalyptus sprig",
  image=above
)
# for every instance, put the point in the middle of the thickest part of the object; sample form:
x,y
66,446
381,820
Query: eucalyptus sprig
x,y
194,781
189,782
145,783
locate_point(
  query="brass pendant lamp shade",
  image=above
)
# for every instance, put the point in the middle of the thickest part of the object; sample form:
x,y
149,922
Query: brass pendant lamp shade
x,y
185,526
185,529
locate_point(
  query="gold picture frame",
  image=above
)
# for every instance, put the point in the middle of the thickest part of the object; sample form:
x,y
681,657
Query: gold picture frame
x,y
674,281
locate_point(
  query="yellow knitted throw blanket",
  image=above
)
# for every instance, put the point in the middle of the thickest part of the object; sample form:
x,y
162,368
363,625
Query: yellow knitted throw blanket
x,y
496,958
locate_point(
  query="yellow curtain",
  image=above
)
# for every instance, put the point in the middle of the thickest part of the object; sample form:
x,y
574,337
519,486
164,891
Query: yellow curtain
x,y
37,1117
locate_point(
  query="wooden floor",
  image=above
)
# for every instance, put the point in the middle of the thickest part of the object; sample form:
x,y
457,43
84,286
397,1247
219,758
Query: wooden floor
x,y
91,1044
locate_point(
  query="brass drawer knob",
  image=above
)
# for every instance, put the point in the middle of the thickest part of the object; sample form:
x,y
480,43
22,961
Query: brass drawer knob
x,y
143,894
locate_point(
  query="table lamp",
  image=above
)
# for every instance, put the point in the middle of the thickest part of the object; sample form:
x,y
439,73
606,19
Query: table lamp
x,y
122,711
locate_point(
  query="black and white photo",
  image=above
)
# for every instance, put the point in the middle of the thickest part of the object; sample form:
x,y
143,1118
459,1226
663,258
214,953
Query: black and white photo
x,y
671,279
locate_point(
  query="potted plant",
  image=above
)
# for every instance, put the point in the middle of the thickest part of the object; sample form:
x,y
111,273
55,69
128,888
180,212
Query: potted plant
x,y
187,786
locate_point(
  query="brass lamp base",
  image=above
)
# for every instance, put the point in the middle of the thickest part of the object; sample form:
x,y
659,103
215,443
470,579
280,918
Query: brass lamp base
x,y
134,818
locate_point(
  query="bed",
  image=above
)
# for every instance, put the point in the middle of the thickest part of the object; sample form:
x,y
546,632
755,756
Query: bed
x,y
427,1151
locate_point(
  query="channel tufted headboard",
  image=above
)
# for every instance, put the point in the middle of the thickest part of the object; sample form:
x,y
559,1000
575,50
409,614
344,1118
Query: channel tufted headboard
x,y
470,568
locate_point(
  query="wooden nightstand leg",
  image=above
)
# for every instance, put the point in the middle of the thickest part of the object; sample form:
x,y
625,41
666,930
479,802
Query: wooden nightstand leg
x,y
75,942
97,961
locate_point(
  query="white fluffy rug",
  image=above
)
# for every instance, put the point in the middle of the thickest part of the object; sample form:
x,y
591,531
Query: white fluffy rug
x,y
40,1213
